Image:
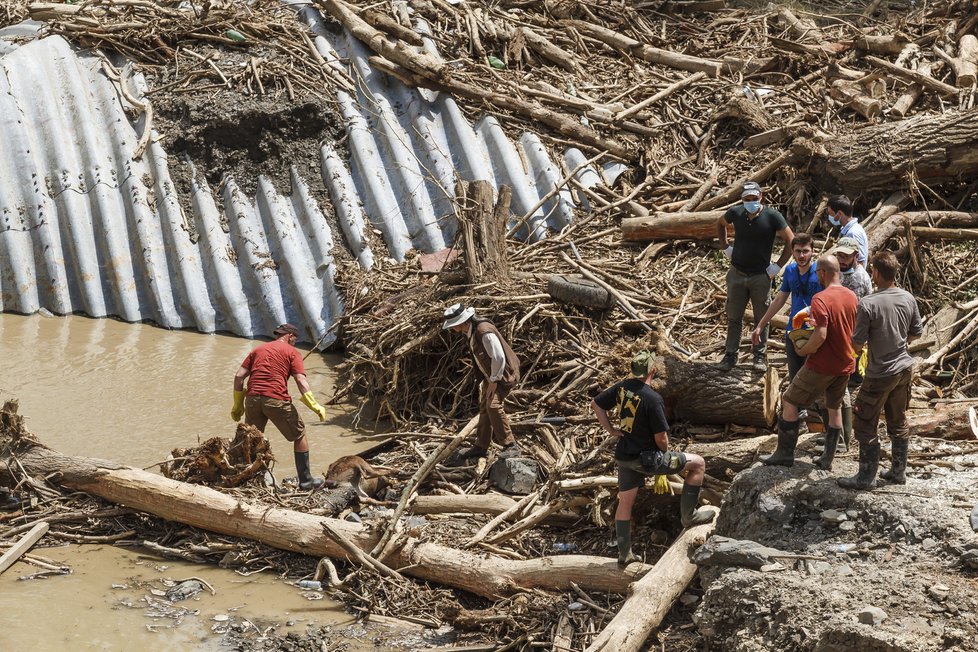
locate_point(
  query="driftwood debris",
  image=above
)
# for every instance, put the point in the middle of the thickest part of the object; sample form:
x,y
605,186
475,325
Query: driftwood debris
x,y
699,392
19,549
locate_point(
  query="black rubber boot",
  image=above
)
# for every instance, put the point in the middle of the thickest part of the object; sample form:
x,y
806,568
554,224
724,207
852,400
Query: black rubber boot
x,y
823,414
728,362
832,436
688,513
623,532
898,468
306,481
846,428
787,440
869,464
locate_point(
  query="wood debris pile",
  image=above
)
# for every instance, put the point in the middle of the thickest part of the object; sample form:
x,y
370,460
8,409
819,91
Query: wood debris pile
x,y
222,462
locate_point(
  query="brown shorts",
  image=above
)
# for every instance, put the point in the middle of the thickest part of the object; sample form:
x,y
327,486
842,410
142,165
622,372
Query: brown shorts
x,y
808,385
259,410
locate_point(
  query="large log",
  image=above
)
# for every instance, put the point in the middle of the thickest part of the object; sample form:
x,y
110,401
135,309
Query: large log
x,y
653,595
671,226
931,149
284,529
946,421
701,393
896,224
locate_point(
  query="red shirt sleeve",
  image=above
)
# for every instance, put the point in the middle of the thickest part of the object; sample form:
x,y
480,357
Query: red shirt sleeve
x,y
297,366
249,360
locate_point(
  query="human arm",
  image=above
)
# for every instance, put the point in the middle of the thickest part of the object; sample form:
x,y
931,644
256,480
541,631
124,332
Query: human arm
x,y
604,421
307,396
814,342
772,310
787,236
916,325
498,357
662,440
860,332
722,231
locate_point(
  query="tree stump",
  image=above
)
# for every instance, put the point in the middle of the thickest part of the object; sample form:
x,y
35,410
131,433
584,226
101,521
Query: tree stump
x,y
946,421
699,392
483,230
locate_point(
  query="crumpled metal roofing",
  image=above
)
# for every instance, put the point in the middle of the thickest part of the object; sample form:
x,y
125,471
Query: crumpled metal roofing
x,y
86,228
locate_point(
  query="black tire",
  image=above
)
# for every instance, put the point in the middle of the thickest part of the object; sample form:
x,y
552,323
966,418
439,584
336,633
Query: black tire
x,y
579,291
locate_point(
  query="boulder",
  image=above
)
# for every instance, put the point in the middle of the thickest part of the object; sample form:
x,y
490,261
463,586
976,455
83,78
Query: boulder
x,y
515,475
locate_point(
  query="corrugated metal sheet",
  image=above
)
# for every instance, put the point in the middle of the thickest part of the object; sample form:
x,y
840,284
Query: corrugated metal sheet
x,y
86,228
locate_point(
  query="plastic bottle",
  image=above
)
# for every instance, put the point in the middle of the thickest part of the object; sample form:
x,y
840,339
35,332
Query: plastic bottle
x,y
564,547
310,584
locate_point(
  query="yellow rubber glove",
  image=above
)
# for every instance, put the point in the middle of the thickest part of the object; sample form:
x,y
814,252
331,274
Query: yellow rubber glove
x,y
237,409
313,405
661,485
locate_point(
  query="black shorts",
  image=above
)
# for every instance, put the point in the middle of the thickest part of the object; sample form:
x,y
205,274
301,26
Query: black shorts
x,y
632,473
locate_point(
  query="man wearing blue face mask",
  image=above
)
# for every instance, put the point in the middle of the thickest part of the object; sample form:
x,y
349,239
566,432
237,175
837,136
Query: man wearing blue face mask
x,y
839,213
751,270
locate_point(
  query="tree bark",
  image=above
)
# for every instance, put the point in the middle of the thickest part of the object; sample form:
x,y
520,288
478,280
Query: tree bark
x,y
895,224
932,149
957,421
483,228
699,392
214,511
653,595
671,226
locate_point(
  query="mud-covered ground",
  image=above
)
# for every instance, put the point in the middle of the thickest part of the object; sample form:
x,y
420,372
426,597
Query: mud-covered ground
x,y
891,576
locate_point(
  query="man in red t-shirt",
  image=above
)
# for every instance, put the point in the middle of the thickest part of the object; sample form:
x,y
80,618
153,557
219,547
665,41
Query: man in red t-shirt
x,y
267,369
831,359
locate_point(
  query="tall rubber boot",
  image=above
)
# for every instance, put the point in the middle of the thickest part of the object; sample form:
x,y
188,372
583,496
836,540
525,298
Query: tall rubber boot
x,y
846,428
823,414
688,512
306,481
623,532
898,469
787,440
869,464
832,436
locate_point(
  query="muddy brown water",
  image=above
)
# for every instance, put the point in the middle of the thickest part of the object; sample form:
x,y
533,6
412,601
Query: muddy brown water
x,y
131,393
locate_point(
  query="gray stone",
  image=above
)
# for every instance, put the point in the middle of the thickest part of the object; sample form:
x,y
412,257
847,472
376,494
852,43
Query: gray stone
x,y
774,508
852,513
928,543
844,570
819,567
871,616
847,526
575,606
515,475
833,516
970,559
723,551
688,599
938,592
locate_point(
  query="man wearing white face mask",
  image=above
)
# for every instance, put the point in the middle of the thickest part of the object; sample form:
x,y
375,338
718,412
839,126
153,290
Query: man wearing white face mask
x,y
751,270
839,213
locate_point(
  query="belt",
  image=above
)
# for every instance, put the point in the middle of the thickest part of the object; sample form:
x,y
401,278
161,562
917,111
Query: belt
x,y
737,271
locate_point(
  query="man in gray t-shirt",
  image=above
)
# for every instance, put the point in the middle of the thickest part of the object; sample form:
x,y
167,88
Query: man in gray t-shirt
x,y
887,321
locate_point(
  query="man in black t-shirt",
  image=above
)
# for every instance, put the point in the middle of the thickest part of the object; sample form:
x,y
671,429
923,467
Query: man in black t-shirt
x,y
642,449
751,270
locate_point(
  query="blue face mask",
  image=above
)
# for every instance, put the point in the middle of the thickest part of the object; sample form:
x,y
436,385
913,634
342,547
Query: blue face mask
x,y
752,206
834,222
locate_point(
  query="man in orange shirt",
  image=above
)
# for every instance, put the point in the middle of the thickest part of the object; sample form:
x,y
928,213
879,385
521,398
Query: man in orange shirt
x,y
830,360
267,369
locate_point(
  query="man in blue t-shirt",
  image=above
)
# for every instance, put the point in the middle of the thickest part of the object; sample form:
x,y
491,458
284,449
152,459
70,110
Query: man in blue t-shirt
x,y
642,450
751,274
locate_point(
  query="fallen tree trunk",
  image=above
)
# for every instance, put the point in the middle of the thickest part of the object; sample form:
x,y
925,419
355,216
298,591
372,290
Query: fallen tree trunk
x,y
930,149
896,224
701,393
653,595
671,226
958,421
214,511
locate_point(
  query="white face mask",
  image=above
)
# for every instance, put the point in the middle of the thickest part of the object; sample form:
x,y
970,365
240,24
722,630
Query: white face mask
x,y
833,221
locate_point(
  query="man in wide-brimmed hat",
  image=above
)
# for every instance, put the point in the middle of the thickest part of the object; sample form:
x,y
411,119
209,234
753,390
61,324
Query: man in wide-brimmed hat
x,y
267,398
499,368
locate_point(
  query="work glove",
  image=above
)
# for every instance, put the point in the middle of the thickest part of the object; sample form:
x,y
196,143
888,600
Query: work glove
x,y
773,270
661,485
728,252
313,405
237,408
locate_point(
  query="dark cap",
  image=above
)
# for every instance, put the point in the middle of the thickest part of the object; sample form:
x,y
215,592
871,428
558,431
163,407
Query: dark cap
x,y
286,329
750,189
642,364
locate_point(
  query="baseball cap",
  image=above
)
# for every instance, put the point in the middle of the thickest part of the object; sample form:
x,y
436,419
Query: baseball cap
x,y
285,329
456,314
750,189
642,363
845,245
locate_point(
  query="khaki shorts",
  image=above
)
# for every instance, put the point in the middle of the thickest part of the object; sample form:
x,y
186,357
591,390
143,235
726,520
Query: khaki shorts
x,y
808,385
259,410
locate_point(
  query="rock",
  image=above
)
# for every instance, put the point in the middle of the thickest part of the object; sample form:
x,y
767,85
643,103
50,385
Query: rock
x,y
938,592
833,516
688,599
928,543
723,551
514,475
184,590
819,567
852,513
575,606
844,570
871,616
774,508
847,526
970,559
